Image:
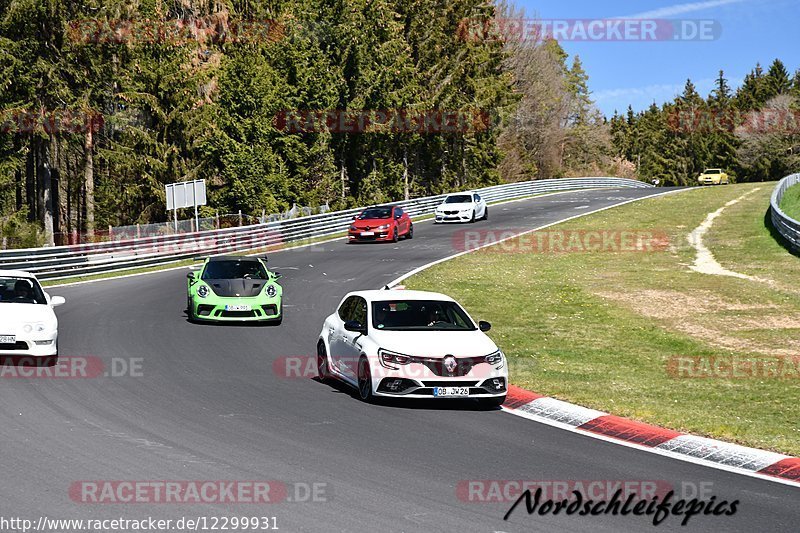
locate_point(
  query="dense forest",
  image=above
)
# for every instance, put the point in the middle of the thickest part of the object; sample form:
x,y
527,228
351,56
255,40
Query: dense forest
x,y
753,133
311,102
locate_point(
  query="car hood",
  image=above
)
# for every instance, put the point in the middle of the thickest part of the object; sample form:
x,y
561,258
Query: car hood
x,y
455,207
371,223
12,314
237,288
435,343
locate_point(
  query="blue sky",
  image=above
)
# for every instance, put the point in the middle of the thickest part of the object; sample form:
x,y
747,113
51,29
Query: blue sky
x,y
638,73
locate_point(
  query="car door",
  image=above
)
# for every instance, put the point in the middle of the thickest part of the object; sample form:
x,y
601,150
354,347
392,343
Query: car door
x,y
480,205
402,221
337,335
351,340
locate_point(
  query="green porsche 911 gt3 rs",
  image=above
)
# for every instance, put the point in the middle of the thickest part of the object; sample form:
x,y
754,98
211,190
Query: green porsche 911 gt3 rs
x,y
235,289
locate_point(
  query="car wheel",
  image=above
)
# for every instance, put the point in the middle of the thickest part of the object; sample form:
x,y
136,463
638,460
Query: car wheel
x,y
395,237
472,220
322,363
485,213
364,381
410,234
190,310
490,403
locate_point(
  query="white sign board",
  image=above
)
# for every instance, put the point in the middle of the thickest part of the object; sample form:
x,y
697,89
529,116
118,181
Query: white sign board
x,y
186,194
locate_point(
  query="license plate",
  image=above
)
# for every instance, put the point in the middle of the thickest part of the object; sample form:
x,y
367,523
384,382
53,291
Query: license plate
x,y
367,233
8,339
450,392
237,308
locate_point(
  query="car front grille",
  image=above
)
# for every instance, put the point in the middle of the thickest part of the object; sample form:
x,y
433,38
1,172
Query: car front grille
x,y
463,367
237,314
17,346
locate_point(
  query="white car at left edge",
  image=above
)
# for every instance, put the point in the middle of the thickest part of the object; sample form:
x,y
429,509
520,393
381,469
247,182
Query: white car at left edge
x,y
28,324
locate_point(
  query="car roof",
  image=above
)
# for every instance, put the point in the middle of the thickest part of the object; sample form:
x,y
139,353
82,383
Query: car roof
x,y
239,258
396,294
17,274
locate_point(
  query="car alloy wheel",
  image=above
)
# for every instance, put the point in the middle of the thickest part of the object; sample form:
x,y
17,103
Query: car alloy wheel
x,y
486,213
190,310
364,380
395,238
471,220
410,234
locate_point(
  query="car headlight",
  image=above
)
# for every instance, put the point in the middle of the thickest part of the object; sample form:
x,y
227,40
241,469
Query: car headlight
x,y
495,358
37,327
385,226
387,358
271,291
202,291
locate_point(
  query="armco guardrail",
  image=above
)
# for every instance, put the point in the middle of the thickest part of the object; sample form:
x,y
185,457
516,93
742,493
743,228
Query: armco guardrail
x,y
79,260
788,227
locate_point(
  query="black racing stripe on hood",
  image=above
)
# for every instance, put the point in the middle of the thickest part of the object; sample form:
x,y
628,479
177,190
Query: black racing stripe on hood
x,y
232,288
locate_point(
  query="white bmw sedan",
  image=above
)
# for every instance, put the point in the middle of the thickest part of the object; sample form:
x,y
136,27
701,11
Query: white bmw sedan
x,y
28,325
411,344
462,207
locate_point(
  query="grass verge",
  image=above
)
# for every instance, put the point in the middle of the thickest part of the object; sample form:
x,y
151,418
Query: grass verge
x,y
605,329
790,204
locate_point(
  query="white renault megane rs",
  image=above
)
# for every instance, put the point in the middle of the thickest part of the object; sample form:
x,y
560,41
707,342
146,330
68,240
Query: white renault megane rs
x,y
411,344
28,325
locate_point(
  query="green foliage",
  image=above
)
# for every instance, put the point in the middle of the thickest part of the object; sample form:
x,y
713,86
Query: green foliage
x,y
751,133
178,106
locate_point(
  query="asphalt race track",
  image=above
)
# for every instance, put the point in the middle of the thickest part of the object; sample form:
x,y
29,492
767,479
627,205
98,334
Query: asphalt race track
x,y
209,406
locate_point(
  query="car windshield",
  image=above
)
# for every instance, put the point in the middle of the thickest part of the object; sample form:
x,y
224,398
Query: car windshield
x,y
376,212
21,291
712,171
420,315
234,270
458,199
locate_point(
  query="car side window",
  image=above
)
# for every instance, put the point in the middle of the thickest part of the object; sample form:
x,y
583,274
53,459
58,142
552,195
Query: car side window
x,y
346,309
477,198
359,310
398,212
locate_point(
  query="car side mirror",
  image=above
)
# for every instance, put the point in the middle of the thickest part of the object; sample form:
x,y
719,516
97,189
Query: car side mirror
x,y
55,301
277,275
355,326
484,326
190,276
355,217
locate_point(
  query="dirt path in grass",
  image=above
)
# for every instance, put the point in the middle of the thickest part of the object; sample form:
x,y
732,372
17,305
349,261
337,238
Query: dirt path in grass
x,y
705,262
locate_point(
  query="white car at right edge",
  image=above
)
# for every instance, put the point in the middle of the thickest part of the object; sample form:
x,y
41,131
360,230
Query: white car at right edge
x,y
462,207
411,344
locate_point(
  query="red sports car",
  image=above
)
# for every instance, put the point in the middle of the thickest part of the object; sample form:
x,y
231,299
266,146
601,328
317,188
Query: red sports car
x,y
386,223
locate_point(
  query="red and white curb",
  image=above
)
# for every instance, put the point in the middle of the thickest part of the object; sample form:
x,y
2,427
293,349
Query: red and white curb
x,y
718,454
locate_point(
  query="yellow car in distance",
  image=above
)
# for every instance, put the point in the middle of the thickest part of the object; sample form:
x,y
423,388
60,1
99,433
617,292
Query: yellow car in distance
x,y
713,176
